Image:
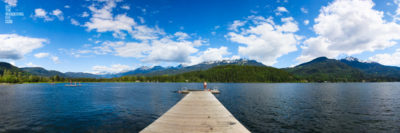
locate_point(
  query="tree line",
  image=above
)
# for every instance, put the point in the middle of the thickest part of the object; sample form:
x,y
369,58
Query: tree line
x,y
228,73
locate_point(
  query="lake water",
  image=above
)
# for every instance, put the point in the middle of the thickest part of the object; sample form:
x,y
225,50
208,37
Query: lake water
x,y
130,107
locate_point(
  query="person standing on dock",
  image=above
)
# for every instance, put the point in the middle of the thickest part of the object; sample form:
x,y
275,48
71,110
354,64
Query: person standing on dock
x,y
205,85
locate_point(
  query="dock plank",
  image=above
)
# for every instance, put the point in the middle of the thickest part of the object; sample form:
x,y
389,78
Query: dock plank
x,y
198,111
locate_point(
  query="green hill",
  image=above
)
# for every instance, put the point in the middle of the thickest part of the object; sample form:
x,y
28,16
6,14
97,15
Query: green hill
x,y
373,70
230,73
10,73
8,67
324,69
38,71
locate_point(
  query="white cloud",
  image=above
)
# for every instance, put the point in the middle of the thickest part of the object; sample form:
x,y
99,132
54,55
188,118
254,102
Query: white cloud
x,y
59,14
67,6
78,53
304,10
211,54
120,25
85,14
396,17
143,32
265,41
181,35
289,25
41,13
41,55
237,23
284,1
126,7
30,64
103,21
279,10
115,68
54,58
349,27
74,22
117,25
141,19
167,49
14,46
306,22
387,59
11,2
150,44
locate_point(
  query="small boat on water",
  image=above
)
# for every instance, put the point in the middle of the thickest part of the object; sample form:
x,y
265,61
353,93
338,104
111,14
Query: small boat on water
x,y
72,85
214,91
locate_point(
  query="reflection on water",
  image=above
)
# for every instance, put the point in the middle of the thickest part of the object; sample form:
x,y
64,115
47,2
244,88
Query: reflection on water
x,y
129,107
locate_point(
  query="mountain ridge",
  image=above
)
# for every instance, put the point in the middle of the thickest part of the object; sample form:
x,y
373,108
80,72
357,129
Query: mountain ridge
x,y
320,69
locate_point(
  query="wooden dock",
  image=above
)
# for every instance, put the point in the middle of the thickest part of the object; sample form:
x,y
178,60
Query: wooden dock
x,y
198,111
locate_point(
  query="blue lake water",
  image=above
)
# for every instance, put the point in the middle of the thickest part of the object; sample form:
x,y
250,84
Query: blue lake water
x,y
130,107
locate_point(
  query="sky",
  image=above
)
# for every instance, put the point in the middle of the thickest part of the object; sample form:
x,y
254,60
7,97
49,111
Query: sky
x,y
110,36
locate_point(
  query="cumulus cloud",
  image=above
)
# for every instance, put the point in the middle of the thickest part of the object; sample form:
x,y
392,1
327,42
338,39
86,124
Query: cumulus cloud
x,y
126,7
54,58
143,32
265,41
85,14
150,44
141,19
120,25
279,10
11,2
349,27
30,64
211,54
306,22
396,15
115,68
181,35
237,23
41,13
387,59
58,13
44,55
41,55
14,46
74,22
102,22
166,49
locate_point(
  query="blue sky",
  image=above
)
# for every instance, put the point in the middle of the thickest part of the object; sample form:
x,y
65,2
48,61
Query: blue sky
x,y
101,36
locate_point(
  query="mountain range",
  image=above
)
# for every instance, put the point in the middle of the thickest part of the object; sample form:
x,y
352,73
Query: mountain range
x,y
141,71
159,70
346,69
320,69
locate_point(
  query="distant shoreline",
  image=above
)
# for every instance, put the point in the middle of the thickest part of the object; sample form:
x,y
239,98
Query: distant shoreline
x,y
184,82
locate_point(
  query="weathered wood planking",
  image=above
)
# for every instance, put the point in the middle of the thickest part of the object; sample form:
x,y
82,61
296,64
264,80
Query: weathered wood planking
x,y
198,111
